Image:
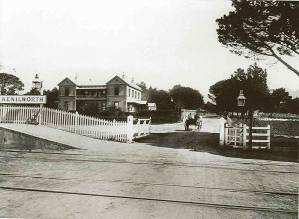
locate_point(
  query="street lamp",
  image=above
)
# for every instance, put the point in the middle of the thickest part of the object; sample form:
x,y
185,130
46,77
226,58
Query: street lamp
x,y
241,103
37,84
241,99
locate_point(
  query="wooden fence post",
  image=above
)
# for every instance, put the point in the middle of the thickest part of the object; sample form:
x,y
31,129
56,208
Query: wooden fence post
x,y
221,131
40,114
130,128
225,133
244,135
149,125
268,137
76,122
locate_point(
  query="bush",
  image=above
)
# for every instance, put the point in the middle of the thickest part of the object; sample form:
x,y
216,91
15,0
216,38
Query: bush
x,y
278,115
113,113
289,128
159,117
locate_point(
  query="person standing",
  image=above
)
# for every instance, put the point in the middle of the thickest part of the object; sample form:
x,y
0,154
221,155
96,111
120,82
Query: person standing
x,y
199,123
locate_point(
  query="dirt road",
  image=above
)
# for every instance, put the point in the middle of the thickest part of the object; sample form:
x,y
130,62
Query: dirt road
x,y
143,181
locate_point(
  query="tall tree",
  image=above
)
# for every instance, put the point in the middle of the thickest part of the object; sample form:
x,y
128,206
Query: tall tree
x,y
161,98
10,84
293,106
144,90
225,94
279,97
254,84
52,98
265,28
33,91
186,97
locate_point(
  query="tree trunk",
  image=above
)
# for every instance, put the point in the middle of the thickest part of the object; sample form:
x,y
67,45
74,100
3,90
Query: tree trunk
x,y
286,64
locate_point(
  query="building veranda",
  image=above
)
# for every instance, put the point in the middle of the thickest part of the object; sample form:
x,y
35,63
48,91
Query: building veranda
x,y
118,93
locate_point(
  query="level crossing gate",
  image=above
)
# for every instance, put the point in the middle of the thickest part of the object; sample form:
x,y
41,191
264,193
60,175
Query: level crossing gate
x,y
238,136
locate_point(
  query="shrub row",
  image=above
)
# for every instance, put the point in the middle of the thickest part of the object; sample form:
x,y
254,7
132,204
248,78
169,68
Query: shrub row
x,y
289,128
278,115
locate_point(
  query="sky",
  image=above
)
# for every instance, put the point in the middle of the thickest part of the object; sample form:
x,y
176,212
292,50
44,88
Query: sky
x,y
160,42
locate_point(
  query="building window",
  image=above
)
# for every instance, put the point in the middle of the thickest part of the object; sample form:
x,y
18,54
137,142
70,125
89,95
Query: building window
x,y
129,92
103,106
66,91
62,91
116,91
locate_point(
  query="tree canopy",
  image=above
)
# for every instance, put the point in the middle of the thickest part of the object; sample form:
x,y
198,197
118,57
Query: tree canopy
x,y
52,98
161,98
33,91
10,84
254,84
279,98
266,28
186,97
144,89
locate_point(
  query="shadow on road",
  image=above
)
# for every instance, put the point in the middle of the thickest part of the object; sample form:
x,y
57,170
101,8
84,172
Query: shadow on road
x,y
208,142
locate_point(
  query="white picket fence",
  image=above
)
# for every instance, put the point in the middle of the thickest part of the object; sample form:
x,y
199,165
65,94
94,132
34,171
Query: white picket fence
x,y
239,136
123,131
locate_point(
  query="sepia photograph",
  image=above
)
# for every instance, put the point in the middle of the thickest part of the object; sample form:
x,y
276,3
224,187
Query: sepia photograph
x,y
142,109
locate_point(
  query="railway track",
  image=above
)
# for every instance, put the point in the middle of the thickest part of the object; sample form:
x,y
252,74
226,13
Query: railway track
x,y
152,163
282,193
93,155
206,204
82,157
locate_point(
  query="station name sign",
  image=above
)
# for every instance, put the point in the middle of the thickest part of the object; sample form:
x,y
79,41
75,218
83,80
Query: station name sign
x,y
23,99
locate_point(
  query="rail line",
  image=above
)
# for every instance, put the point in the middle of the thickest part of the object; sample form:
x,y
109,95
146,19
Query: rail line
x,y
206,204
92,155
152,163
282,193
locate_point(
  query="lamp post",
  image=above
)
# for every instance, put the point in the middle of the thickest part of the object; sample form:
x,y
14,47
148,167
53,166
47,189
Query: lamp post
x,y
241,103
37,84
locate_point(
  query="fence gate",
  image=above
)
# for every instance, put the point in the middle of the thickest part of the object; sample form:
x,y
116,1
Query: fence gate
x,y
239,136
233,136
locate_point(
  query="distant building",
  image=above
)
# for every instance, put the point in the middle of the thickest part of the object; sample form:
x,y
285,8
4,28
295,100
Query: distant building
x,y
118,93
152,106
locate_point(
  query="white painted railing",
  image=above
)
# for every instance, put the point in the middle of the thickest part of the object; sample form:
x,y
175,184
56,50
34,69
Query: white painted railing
x,y
239,136
142,127
76,123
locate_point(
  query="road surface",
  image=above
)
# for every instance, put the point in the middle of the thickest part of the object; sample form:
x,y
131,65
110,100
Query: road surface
x,y
119,180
